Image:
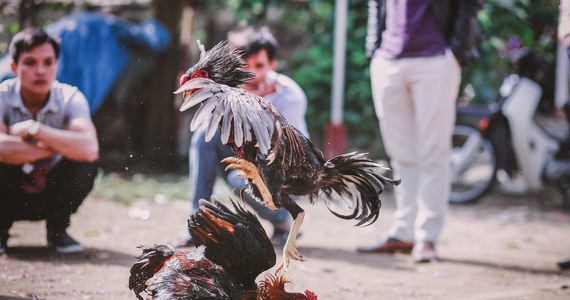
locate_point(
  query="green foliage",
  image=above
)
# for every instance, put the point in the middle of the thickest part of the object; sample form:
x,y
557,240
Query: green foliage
x,y
313,68
534,22
250,11
8,28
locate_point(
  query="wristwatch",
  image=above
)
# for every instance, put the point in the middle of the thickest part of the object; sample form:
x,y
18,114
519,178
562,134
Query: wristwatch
x,y
33,129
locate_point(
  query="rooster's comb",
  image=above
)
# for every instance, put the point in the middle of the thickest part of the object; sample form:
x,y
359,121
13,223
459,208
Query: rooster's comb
x,y
223,64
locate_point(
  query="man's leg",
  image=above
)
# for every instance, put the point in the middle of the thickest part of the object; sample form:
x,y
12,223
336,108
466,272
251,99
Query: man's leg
x,y
237,183
435,87
15,203
9,206
280,219
204,164
395,110
10,179
68,184
204,167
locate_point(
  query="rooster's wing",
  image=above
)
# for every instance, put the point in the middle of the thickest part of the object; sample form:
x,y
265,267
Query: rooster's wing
x,y
234,111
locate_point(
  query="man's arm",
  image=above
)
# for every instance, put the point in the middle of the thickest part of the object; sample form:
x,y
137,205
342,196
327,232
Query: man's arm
x,y
465,31
290,101
77,142
294,112
564,23
15,151
373,27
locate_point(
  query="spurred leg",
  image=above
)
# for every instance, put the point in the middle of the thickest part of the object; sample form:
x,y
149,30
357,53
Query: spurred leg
x,y
250,171
290,249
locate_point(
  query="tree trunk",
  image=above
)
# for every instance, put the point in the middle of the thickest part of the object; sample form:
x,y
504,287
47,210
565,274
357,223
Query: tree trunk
x,y
159,131
27,13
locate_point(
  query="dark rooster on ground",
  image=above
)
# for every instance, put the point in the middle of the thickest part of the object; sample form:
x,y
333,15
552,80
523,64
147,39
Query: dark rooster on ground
x,y
277,159
233,249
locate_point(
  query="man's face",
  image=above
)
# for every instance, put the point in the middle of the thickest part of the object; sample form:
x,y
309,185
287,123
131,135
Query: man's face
x,y
259,64
36,69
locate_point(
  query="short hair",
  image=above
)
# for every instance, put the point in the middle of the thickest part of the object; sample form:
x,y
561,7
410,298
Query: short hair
x,y
251,41
29,38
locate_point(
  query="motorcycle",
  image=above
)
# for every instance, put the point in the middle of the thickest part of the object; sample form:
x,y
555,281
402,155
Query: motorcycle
x,y
509,138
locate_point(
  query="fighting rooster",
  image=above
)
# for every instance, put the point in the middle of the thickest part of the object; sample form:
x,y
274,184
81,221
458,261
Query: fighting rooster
x,y
276,159
233,249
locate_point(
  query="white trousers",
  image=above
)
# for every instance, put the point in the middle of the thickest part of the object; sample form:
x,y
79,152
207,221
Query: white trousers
x,y
415,103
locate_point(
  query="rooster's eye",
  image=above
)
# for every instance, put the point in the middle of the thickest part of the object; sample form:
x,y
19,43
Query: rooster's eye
x,y
199,74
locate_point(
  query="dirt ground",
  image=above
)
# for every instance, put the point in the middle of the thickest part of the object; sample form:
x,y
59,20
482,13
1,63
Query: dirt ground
x,y
504,247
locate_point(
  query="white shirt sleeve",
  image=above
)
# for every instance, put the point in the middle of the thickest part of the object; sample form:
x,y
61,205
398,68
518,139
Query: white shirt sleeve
x,y
291,102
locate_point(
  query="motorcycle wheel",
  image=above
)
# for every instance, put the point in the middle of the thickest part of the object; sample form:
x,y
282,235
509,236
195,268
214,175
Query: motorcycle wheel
x,y
473,165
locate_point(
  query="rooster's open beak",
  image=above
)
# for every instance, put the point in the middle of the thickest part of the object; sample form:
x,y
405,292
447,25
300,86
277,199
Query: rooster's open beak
x,y
183,89
189,88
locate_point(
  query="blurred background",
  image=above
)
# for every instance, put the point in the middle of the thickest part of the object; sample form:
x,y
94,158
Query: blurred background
x,y
127,56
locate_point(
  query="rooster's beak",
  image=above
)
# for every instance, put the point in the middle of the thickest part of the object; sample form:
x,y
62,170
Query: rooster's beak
x,y
184,90
189,88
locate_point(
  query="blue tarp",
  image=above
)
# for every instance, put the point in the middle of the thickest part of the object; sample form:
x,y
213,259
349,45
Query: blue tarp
x,y
95,50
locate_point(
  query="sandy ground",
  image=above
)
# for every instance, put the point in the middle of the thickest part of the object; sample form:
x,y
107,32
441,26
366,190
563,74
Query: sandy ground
x,y
505,247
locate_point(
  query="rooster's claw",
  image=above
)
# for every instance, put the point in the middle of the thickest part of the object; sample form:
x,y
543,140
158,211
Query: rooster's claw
x,y
251,172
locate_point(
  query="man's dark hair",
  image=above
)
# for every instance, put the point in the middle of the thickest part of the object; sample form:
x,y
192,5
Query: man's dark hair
x,y
251,41
29,38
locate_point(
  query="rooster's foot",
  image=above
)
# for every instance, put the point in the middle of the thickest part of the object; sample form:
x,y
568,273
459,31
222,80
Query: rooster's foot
x,y
251,172
290,249
288,255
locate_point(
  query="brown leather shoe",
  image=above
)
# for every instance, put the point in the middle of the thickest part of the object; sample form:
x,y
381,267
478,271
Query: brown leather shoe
x,y
391,245
424,252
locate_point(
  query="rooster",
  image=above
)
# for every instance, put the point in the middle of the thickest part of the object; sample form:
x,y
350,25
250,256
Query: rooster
x,y
276,159
232,250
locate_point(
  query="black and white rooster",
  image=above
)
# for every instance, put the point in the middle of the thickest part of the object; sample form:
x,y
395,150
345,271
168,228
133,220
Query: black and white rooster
x,y
277,159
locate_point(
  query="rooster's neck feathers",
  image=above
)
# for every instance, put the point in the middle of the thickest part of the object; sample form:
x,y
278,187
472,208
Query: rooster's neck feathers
x,y
224,65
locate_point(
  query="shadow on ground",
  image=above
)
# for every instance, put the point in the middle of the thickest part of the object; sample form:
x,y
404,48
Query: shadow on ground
x,y
89,255
389,261
512,268
403,262
32,296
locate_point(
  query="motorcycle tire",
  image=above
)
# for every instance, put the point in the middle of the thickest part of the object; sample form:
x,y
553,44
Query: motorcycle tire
x,y
473,165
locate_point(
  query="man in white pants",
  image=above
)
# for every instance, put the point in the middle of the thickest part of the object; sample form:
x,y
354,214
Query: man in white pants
x,y
417,49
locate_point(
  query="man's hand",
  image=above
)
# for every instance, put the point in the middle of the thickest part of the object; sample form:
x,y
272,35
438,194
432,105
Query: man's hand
x,y
566,41
21,129
262,89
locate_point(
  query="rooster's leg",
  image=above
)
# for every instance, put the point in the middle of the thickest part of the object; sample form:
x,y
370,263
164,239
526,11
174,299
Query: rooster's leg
x,y
290,249
250,171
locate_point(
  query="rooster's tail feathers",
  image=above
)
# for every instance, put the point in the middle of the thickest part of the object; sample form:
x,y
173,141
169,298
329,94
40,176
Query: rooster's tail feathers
x,y
354,181
206,223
